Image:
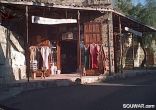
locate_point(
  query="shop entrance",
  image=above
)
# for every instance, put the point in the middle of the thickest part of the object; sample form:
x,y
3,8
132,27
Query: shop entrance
x,y
68,56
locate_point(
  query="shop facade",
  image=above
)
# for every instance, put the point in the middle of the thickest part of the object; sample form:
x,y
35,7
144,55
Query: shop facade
x,y
59,39
74,47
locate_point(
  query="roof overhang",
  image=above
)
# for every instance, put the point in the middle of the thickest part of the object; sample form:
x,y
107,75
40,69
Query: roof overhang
x,y
125,19
56,6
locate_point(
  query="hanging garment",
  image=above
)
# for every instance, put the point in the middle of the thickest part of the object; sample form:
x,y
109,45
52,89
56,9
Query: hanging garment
x,y
101,60
39,59
33,65
51,59
45,51
106,63
86,57
32,50
98,55
82,55
53,69
94,54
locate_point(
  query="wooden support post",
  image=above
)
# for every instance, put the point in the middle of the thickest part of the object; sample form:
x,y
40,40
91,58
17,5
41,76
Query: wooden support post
x,y
146,61
121,46
145,52
78,43
133,49
108,41
58,56
27,43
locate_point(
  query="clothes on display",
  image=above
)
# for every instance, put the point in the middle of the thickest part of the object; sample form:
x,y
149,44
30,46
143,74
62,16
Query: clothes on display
x,y
45,51
32,50
101,60
33,65
94,54
94,57
86,56
53,69
41,58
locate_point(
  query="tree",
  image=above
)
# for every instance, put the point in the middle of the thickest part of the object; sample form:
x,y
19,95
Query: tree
x,y
123,5
137,11
142,12
145,13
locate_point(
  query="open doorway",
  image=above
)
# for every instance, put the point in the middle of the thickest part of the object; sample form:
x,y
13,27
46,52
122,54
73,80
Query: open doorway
x,y
68,56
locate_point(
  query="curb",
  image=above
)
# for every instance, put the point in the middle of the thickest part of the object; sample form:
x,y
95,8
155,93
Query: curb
x,y
127,75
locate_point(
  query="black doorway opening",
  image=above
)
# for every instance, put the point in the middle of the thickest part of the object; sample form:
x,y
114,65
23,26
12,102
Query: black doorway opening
x,y
68,56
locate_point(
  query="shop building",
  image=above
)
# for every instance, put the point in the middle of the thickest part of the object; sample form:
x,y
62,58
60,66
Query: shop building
x,y
59,39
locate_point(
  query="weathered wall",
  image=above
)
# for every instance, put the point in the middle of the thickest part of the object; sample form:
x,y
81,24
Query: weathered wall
x,y
12,58
107,40
65,2
107,37
154,52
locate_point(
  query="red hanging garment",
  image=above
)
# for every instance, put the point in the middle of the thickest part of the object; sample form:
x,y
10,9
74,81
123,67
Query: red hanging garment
x,y
94,54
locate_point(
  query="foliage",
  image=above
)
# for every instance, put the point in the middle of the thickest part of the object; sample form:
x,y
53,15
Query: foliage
x,y
145,13
142,12
123,5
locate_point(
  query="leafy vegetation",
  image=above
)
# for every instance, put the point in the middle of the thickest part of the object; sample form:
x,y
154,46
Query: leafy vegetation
x,y
142,12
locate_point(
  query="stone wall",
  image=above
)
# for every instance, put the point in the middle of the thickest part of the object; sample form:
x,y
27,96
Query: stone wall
x,y
12,58
107,39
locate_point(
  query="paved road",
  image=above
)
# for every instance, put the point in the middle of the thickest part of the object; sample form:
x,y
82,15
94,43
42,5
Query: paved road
x,y
98,96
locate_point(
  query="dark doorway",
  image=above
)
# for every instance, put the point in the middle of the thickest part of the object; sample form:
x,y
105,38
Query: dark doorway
x,y
68,56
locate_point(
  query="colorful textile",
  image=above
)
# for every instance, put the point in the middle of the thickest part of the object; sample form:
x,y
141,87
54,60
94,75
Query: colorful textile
x,y
86,57
33,65
94,54
45,51
101,60
39,59
32,50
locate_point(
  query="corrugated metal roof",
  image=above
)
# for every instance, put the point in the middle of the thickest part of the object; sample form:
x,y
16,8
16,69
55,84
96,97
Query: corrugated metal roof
x,y
72,6
134,20
76,7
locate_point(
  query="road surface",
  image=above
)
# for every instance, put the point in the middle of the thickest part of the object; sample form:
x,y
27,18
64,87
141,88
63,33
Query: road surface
x,y
97,96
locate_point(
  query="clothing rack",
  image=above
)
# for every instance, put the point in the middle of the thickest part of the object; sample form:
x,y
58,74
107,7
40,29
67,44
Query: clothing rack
x,y
36,54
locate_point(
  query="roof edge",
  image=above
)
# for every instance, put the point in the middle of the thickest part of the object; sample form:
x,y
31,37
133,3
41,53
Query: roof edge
x,y
76,8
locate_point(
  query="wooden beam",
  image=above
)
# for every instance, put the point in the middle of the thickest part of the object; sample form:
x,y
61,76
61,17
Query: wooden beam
x,y
137,33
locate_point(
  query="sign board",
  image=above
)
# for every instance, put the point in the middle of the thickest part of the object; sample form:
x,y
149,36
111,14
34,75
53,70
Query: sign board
x,y
134,32
50,21
67,36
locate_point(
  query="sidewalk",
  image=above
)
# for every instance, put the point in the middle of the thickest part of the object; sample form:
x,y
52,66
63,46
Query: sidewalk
x,y
128,74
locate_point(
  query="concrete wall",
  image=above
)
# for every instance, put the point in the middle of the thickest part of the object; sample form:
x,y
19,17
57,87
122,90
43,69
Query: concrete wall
x,y
12,58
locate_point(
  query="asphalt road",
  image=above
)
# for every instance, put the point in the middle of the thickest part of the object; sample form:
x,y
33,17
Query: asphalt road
x,y
98,96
